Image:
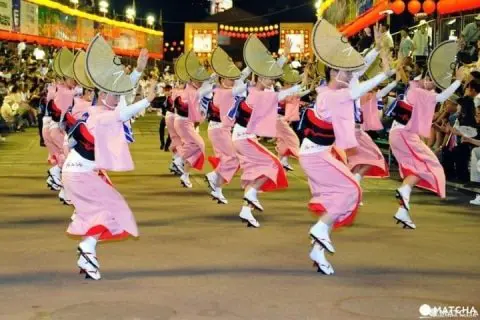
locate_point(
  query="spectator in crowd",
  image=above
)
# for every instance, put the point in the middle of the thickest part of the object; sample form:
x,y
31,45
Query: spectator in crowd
x,y
444,118
456,154
475,159
365,40
387,39
420,43
468,42
21,47
38,53
406,44
9,110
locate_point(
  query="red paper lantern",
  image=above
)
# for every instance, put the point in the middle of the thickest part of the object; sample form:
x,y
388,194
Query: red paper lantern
x,y
428,6
398,6
264,34
414,6
174,43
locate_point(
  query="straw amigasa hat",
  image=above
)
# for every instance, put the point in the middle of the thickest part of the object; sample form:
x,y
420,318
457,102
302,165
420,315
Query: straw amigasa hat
x,y
65,62
195,69
442,63
105,70
259,60
333,49
56,69
180,70
79,73
290,75
223,65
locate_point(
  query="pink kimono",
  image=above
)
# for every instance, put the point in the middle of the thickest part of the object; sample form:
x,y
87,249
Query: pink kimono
x,y
176,143
334,189
100,209
63,100
225,161
288,143
412,154
256,161
367,152
193,146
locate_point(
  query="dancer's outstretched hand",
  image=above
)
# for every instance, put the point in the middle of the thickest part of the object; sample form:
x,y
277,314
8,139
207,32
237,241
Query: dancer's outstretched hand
x,y
152,93
142,60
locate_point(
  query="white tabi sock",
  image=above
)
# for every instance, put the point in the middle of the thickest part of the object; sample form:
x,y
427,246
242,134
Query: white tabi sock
x,y
405,190
89,244
252,191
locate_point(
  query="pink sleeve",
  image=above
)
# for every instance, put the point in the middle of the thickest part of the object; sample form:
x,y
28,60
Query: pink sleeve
x,y
343,120
423,103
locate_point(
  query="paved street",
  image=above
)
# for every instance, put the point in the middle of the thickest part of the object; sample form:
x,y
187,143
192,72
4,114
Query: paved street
x,y
195,260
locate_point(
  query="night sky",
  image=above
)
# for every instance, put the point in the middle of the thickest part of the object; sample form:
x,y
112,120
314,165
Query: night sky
x,y
176,11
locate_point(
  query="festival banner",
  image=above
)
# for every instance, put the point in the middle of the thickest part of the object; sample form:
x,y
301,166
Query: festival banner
x,y
16,15
6,15
29,18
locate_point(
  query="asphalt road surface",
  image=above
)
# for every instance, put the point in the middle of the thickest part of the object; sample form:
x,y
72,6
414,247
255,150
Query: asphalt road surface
x,y
195,260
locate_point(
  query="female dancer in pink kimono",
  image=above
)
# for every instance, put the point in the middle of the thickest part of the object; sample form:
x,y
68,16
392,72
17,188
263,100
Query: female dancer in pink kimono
x,y
367,159
337,197
288,143
56,108
261,170
101,144
177,164
47,121
187,105
418,164
225,161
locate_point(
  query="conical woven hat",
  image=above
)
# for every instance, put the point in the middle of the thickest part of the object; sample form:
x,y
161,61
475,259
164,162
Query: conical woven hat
x,y
258,58
333,49
79,73
65,62
223,65
105,70
179,68
290,75
195,69
441,63
56,69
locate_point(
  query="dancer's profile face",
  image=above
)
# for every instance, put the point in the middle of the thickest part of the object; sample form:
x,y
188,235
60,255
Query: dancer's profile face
x,y
70,83
266,82
227,83
427,83
342,78
88,95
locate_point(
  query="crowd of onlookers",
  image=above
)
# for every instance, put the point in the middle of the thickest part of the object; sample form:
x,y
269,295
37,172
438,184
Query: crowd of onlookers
x,y
23,73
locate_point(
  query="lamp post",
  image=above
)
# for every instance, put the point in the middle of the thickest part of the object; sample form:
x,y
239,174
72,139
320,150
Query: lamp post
x,y
130,14
150,21
75,3
103,7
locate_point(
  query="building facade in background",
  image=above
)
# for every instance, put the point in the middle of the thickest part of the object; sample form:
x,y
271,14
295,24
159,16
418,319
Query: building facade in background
x,y
217,6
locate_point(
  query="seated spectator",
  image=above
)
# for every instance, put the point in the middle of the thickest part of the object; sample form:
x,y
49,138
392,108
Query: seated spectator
x,y
475,159
444,117
9,110
456,154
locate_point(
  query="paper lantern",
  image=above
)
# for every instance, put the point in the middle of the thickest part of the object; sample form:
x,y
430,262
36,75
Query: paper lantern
x,y
414,6
428,6
398,6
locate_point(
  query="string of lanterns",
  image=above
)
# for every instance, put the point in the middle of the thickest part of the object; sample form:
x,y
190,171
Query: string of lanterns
x,y
414,6
243,32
